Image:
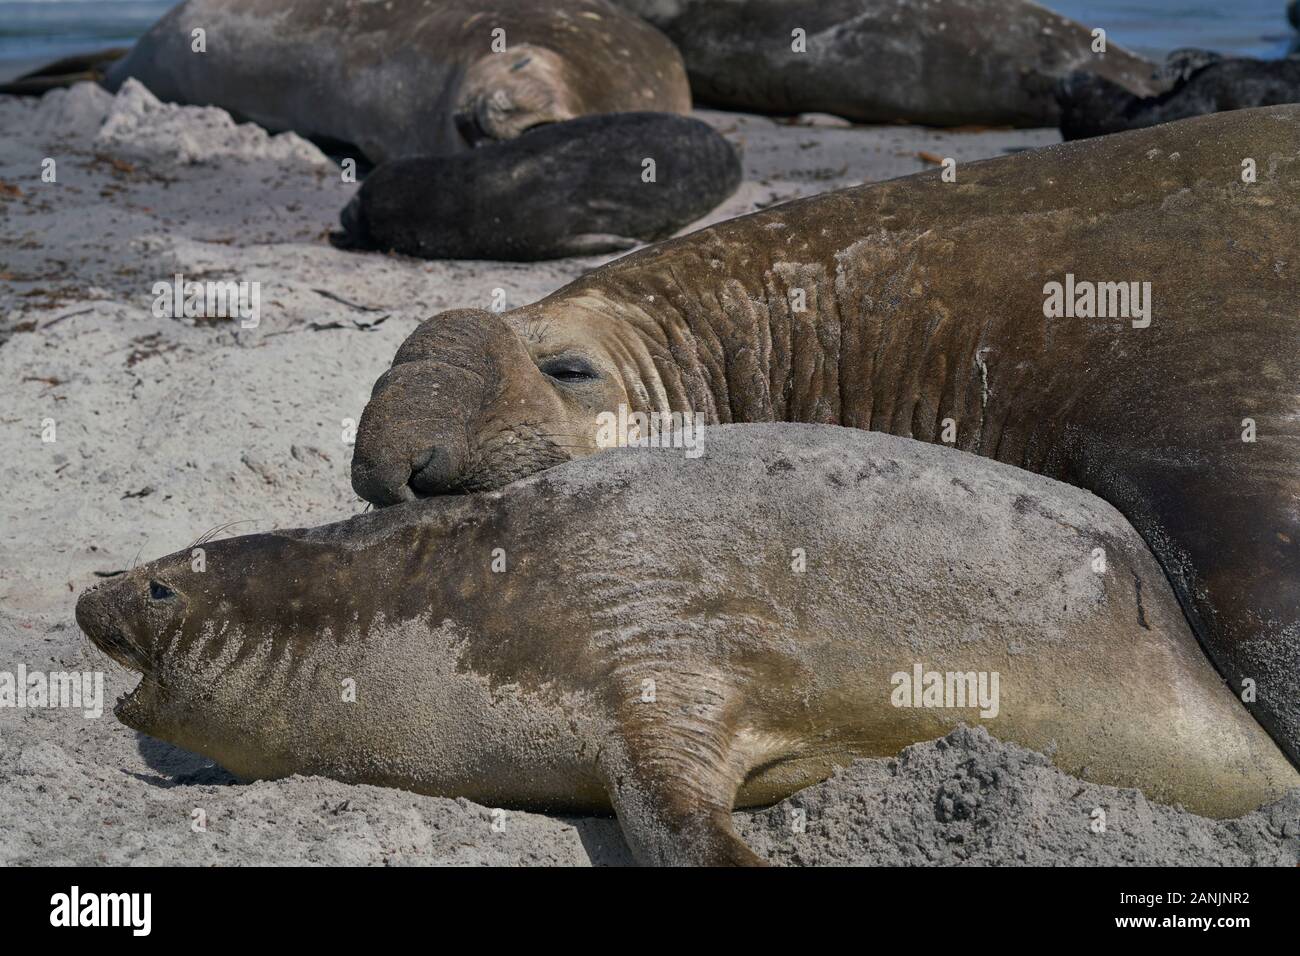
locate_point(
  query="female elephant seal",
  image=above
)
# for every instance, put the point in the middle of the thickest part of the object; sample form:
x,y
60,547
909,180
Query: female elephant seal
x,y
671,636
408,79
943,63
573,188
918,307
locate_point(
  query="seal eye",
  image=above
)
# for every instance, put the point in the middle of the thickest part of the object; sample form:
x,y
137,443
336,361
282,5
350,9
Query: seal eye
x,y
571,370
160,592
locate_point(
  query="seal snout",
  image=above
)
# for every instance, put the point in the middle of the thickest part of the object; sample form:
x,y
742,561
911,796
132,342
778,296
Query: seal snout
x,y
422,427
436,471
97,620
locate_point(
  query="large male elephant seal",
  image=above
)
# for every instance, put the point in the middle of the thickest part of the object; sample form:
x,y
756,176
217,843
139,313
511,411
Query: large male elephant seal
x,y
1094,106
918,307
944,63
408,79
593,184
672,636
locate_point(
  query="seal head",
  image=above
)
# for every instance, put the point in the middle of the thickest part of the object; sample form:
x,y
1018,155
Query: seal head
x,y
471,403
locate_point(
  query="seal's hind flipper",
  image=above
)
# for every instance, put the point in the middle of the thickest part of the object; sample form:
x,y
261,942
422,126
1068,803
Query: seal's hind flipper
x,y
40,85
673,773
83,68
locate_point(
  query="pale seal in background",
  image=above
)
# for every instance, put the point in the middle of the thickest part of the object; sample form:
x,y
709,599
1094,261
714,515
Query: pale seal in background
x,y
408,79
651,642
917,307
948,63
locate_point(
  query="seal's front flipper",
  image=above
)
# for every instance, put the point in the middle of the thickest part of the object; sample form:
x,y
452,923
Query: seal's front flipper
x,y
672,774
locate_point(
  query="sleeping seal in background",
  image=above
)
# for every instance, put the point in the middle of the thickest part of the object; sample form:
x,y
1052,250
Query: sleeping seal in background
x,y
670,637
938,311
408,79
572,188
1094,106
947,63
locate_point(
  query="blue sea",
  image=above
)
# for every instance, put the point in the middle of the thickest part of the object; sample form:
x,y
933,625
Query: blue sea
x,y
37,31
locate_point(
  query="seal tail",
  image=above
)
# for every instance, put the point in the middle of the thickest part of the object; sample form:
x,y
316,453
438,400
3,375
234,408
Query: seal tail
x,y
83,68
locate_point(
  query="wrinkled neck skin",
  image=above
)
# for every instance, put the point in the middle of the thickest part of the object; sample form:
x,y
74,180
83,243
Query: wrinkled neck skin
x,y
750,338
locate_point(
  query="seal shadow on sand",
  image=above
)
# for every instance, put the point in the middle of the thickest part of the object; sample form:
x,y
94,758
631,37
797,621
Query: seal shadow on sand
x,y
601,838
177,767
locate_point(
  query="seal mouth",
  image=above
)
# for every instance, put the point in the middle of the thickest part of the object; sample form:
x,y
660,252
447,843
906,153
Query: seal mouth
x,y
122,650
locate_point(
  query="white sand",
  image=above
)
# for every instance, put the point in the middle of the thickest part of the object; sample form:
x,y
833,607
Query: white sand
x,y
166,428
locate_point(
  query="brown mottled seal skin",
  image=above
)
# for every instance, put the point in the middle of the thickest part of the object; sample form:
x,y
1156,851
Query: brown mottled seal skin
x,y
650,646
408,78
944,63
925,302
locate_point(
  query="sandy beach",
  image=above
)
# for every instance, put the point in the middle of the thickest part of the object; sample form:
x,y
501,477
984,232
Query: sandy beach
x,y
125,436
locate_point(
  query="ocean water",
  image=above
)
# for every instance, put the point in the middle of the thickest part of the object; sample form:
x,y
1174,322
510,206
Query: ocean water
x,y
1154,27
36,31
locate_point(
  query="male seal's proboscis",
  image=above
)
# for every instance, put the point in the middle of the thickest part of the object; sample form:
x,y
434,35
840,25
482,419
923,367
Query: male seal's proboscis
x,y
673,637
923,312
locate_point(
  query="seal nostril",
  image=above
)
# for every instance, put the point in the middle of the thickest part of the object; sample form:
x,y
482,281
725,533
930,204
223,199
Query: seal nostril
x,y
435,474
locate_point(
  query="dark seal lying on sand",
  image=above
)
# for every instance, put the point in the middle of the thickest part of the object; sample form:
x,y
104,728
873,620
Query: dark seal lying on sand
x,y
672,636
593,184
1092,105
